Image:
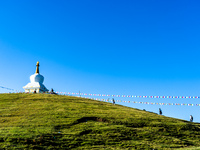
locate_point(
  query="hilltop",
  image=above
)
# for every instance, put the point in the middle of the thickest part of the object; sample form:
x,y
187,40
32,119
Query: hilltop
x,y
45,121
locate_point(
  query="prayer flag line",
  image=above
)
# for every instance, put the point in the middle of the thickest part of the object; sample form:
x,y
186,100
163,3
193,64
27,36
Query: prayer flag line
x,y
149,103
129,96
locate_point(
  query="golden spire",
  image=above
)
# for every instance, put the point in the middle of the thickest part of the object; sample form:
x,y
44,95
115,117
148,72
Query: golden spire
x,y
37,68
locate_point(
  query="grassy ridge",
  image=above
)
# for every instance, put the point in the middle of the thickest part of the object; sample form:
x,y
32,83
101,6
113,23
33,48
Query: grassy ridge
x,y
43,121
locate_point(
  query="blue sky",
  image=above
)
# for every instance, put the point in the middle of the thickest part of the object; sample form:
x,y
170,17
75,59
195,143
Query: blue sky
x,y
147,47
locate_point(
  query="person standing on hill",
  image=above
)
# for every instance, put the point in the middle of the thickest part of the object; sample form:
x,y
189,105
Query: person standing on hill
x,y
160,111
191,118
113,101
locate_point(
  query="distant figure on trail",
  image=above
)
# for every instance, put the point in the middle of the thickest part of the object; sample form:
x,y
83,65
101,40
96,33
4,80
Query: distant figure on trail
x,y
52,91
160,111
191,118
113,101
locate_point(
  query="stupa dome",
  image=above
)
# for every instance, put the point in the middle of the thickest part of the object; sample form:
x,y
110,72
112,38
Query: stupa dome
x,y
36,84
36,78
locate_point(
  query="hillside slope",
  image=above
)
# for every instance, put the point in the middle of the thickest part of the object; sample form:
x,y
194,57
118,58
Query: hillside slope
x,y
44,121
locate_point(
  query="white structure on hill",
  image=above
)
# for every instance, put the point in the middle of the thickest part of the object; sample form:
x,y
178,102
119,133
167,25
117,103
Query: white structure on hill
x,y
36,84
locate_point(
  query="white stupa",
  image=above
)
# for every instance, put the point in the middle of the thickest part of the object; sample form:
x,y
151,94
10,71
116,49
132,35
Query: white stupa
x,y
36,84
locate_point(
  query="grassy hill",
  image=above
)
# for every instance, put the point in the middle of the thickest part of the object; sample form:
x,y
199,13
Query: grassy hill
x,y
44,121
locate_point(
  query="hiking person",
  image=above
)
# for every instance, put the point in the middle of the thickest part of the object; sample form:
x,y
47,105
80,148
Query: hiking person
x,y
113,101
160,111
191,118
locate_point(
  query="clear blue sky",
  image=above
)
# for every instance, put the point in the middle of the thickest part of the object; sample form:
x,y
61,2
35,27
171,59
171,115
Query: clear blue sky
x,y
146,47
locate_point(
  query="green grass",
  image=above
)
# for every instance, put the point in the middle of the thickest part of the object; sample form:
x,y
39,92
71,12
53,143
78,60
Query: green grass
x,y
44,121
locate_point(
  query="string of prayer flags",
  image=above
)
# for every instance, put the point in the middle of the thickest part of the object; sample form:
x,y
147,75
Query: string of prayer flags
x,y
130,96
148,103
